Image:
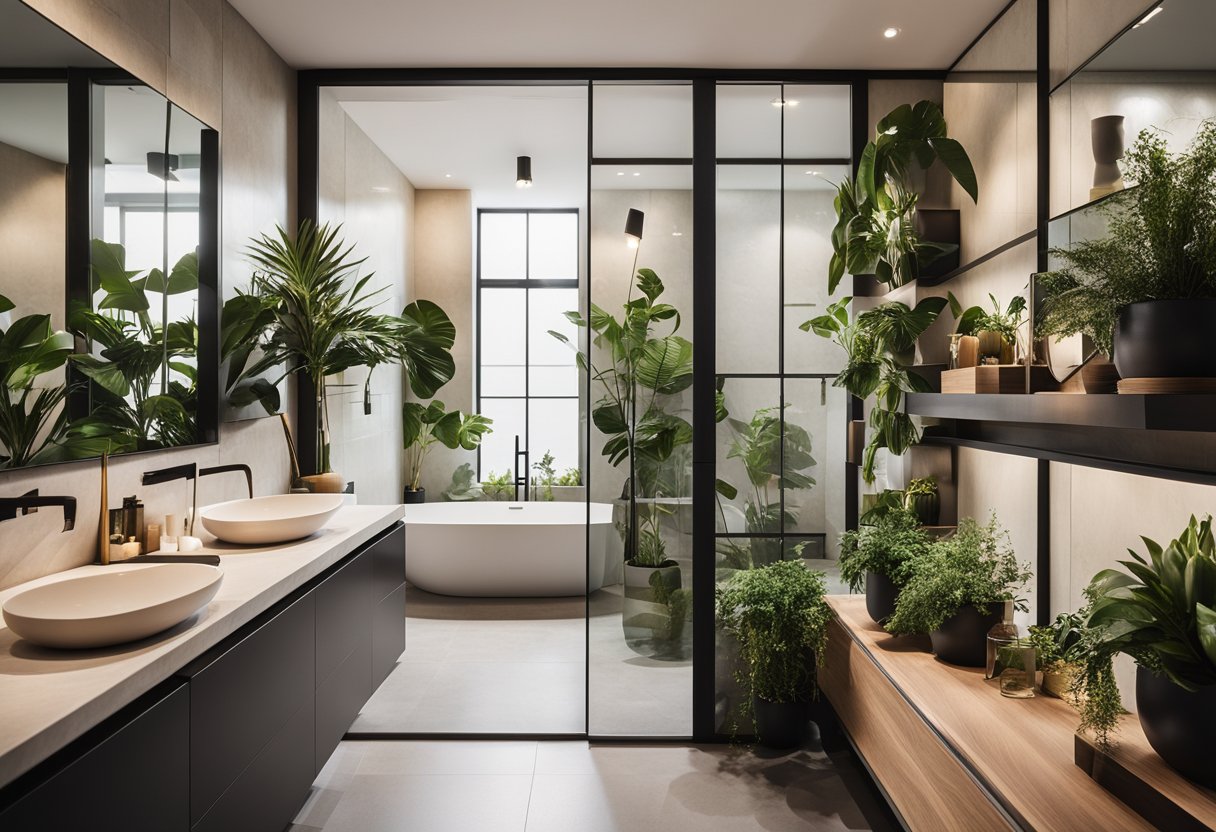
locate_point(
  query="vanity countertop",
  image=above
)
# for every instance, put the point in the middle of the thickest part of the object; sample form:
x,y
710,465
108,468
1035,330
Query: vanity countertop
x,y
50,697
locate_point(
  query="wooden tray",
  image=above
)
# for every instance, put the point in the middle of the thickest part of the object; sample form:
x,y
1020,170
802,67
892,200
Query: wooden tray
x,y
997,378
1167,385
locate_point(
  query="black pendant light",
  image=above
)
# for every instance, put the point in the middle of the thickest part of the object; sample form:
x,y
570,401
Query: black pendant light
x,y
523,171
633,227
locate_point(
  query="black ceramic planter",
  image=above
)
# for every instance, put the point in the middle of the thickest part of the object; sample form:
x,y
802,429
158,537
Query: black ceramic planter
x,y
881,595
928,508
962,637
1179,725
409,496
1166,339
781,725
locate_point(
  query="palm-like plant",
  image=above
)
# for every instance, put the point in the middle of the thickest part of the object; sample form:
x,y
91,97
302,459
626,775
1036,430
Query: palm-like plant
x,y
308,311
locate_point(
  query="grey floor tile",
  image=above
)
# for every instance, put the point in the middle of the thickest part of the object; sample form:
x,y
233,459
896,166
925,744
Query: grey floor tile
x,y
447,757
433,803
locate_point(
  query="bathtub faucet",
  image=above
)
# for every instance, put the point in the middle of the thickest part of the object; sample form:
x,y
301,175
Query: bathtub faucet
x,y
521,480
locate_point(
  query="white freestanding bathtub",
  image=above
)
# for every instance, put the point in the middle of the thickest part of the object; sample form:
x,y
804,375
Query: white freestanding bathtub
x,y
509,550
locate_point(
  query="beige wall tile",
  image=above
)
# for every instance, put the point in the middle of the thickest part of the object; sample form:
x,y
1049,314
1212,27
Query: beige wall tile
x,y
32,207
1009,46
194,73
1079,28
132,33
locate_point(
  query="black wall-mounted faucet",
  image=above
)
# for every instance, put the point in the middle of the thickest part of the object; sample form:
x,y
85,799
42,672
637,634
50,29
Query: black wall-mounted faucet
x,y
189,471
235,466
29,502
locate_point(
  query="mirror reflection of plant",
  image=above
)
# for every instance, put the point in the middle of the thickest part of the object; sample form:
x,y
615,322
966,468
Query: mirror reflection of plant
x,y
652,549
1160,242
879,345
641,369
308,311
425,425
464,485
887,546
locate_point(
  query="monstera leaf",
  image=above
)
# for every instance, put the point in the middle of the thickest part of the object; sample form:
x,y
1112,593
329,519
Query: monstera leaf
x,y
427,336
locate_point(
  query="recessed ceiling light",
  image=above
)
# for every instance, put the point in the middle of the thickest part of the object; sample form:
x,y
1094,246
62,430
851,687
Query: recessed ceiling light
x,y
637,173
1150,16
620,173
811,172
380,189
784,102
890,32
447,176
677,233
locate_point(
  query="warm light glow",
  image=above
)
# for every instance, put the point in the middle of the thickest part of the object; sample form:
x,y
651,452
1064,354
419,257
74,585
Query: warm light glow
x,y
523,183
620,173
1150,16
890,32
784,102
631,241
811,172
636,173
380,189
447,176
677,233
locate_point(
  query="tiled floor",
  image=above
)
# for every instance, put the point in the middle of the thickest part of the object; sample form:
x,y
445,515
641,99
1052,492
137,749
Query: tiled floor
x,y
438,786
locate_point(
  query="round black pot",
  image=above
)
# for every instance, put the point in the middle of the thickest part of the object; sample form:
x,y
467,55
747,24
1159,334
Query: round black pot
x,y
1166,339
962,637
781,724
928,508
881,595
409,496
1179,725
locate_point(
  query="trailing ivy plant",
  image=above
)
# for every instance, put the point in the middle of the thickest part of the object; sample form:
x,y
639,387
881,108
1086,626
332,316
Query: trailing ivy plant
x,y
875,230
880,345
887,546
1160,242
780,618
1161,612
975,566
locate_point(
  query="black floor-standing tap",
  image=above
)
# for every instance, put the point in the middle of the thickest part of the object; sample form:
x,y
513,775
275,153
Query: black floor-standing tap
x,y
521,480
30,502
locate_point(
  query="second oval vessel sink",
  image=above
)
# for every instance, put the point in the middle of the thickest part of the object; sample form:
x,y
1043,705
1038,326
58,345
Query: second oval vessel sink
x,y
274,519
121,603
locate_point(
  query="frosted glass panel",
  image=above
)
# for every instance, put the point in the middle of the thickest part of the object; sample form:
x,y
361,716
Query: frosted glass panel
x,y
498,448
553,381
817,121
502,326
553,246
497,380
665,110
504,253
554,428
749,124
546,311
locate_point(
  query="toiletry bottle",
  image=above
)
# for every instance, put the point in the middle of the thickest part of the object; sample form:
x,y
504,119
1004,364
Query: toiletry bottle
x,y
152,538
132,518
1002,634
168,537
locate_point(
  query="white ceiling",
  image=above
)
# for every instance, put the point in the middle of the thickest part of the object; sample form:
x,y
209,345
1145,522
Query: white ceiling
x,y
762,34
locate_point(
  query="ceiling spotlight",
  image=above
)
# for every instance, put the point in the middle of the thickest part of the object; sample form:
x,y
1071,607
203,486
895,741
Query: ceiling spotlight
x,y
447,176
890,32
523,171
620,173
633,227
784,102
811,172
1150,16
637,173
677,233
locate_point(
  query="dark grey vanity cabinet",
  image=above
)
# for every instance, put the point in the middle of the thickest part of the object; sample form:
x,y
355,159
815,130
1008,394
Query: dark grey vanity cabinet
x,y
344,652
388,615
130,775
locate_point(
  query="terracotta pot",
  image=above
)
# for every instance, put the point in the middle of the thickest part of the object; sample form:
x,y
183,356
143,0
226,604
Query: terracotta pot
x,y
329,483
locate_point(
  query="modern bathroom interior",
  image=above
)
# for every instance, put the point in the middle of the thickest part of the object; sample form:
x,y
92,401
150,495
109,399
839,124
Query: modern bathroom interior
x,y
607,419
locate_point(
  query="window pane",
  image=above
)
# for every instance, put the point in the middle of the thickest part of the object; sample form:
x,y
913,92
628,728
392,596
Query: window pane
x,y
503,238
500,380
547,310
818,125
553,246
142,238
748,123
502,326
666,110
498,448
553,381
554,428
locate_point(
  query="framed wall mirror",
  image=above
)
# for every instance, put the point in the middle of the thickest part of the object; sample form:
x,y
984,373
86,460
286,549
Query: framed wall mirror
x,y
108,286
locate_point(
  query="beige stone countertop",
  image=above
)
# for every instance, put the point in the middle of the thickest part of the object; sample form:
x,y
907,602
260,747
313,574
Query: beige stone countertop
x,y
50,697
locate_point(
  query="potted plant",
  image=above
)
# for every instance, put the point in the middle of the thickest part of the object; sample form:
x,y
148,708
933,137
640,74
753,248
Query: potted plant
x,y
878,556
955,591
875,230
880,345
779,616
922,498
1146,292
651,579
425,425
996,330
308,312
1162,615
544,479
1059,650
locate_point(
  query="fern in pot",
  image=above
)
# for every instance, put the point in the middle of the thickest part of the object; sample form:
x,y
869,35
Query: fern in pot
x,y
1161,612
1146,292
877,557
956,591
779,616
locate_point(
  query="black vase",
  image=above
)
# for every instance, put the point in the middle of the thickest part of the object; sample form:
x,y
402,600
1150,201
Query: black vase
x,y
1179,725
410,496
962,638
1166,339
928,508
781,725
881,595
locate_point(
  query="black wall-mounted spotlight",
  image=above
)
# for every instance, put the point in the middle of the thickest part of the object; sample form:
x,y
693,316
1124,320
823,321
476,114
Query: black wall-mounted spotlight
x,y
633,227
523,171
162,165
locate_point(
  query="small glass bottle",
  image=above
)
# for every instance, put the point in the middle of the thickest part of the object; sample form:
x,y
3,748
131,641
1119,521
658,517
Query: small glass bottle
x,y
1017,674
1001,635
954,345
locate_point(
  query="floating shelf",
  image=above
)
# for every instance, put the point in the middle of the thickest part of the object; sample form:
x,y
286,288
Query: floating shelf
x,y
1184,412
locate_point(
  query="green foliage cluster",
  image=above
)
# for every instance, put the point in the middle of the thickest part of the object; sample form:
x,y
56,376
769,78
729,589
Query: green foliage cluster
x,y
920,485
779,616
887,546
977,319
976,566
545,479
875,230
1060,642
498,486
1160,242
1162,614
425,425
880,345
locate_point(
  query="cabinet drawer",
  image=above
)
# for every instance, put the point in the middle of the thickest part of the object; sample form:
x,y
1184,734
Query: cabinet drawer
x,y
340,697
388,555
344,614
388,635
136,777
242,695
270,792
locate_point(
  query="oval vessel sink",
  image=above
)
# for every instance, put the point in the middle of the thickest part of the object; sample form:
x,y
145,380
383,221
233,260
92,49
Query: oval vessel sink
x,y
274,519
122,603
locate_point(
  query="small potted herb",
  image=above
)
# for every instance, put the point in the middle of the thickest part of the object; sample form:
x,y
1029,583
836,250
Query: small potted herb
x,y
780,618
955,591
922,498
996,330
1059,653
877,556
1163,615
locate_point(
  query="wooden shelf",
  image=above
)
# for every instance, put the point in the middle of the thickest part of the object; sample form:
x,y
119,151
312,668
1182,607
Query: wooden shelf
x,y
948,749
1185,412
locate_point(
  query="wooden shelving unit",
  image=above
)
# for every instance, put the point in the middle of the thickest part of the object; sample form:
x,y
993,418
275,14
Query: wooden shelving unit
x,y
1187,412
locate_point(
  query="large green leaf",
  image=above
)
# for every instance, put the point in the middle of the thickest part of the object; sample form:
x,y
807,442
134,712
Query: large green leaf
x,y
426,342
958,163
106,373
183,277
665,365
1207,630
